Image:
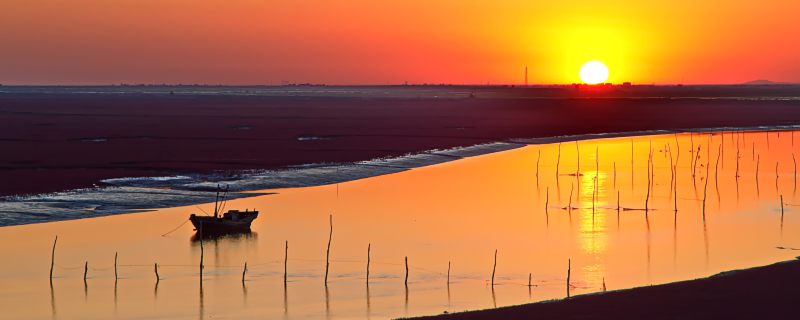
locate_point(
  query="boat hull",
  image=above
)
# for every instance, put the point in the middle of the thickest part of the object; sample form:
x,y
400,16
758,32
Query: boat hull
x,y
211,225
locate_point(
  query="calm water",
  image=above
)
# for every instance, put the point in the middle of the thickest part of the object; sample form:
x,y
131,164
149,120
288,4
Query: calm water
x,y
458,213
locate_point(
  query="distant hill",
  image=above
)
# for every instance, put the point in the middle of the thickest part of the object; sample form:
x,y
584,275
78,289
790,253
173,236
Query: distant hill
x,y
762,82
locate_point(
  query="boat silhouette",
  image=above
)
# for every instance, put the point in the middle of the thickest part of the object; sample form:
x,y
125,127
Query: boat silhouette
x,y
231,221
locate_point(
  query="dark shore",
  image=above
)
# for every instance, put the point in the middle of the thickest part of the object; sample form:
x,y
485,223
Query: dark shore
x,y
62,139
768,292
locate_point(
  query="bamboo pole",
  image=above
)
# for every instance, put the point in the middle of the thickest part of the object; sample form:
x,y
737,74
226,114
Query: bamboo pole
x,y
116,276
328,253
53,259
369,248
494,266
406,279
285,262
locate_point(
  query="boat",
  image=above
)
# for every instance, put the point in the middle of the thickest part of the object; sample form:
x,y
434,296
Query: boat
x,y
231,221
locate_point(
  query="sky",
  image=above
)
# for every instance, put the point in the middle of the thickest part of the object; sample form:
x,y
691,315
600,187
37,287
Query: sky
x,y
395,41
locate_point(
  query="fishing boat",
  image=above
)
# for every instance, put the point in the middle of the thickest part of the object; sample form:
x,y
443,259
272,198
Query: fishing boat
x,y
229,221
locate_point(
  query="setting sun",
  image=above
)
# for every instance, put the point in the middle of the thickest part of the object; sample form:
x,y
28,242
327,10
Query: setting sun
x,y
594,72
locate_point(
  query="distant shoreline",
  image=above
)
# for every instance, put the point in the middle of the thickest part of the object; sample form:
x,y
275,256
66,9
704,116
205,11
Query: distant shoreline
x,y
766,292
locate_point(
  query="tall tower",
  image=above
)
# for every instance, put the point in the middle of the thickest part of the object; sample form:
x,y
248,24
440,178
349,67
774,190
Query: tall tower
x,y
526,76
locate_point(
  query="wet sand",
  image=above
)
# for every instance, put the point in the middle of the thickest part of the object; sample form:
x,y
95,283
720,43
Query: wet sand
x,y
63,141
767,292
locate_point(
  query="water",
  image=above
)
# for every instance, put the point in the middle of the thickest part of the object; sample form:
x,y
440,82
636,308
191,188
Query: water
x,y
456,212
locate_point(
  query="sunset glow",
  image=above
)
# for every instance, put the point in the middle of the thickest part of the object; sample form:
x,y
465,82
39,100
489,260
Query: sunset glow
x,y
391,42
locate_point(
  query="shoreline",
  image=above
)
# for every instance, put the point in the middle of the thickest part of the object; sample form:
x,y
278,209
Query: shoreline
x,y
762,291
142,194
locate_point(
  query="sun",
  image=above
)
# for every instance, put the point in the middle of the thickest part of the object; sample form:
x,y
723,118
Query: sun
x,y
594,72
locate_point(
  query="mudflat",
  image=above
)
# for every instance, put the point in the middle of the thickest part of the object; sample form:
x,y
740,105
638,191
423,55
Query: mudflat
x,y
58,141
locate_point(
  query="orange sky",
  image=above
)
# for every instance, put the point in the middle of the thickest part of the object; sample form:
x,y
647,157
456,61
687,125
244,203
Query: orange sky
x,y
392,41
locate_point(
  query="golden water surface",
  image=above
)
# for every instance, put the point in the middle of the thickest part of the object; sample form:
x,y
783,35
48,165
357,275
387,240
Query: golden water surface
x,y
537,206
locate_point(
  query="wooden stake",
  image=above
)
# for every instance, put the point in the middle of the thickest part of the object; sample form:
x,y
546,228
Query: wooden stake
x,y
758,163
546,201
647,197
155,268
85,270
579,158
285,262
537,162
369,248
705,189
53,258
494,266
558,159
202,253
675,198
116,276
781,207
716,168
604,284
406,279
569,272
328,253
529,279
244,271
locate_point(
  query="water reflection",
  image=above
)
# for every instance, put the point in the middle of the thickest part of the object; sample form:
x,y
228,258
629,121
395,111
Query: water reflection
x,y
448,213
52,300
233,236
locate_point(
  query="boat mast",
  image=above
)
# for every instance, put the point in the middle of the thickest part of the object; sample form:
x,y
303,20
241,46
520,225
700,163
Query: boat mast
x,y
216,204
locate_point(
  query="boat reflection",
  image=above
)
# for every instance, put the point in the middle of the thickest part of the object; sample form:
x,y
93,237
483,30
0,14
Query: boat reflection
x,y
234,236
